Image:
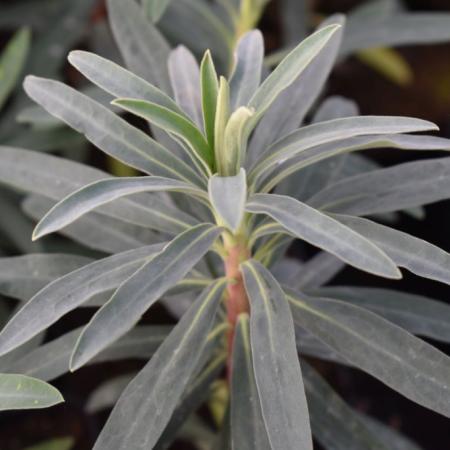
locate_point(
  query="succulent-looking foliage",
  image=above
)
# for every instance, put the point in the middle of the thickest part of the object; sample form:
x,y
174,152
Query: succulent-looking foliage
x,y
226,185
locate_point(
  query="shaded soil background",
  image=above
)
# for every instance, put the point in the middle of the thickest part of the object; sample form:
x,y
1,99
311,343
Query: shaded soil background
x,y
428,97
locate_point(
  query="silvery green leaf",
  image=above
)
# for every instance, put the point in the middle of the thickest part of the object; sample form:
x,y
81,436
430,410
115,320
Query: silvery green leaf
x,y
317,271
139,292
289,69
403,186
173,123
155,8
395,29
142,46
286,270
12,60
415,313
334,424
51,360
377,347
289,109
22,276
220,123
197,391
18,353
235,140
96,231
416,255
309,345
321,152
228,196
45,140
118,81
247,72
160,385
276,366
211,32
101,192
55,178
209,92
387,434
106,395
316,228
184,75
70,291
107,131
247,424
335,107
22,392
318,134
40,119
317,176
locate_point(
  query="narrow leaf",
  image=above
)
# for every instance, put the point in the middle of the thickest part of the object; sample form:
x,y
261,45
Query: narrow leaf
x,y
22,276
70,291
228,196
247,424
377,347
235,138
289,69
406,185
118,81
318,270
321,152
415,313
275,361
209,91
142,46
288,111
247,72
107,131
171,122
101,192
96,231
326,233
51,360
220,123
334,130
140,291
22,392
416,255
185,79
395,29
160,385
334,424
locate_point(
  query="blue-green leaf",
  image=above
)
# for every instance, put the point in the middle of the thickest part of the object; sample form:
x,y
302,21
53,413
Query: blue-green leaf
x,y
22,392
275,361
160,385
139,292
228,196
324,232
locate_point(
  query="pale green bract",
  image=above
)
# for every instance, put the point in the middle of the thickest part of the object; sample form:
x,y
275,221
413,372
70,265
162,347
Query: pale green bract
x,y
228,180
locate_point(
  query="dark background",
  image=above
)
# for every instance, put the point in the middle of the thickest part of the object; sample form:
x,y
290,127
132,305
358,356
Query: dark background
x,y
427,97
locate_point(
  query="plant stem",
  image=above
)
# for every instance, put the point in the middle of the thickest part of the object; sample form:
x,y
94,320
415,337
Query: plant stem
x,y
236,300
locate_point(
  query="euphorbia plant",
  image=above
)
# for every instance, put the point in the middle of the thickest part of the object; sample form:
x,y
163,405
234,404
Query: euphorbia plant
x,y
240,174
